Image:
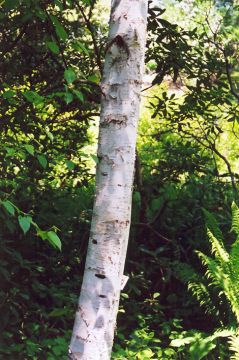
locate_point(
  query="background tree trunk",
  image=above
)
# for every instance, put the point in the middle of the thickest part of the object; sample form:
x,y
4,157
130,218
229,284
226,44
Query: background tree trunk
x,y
95,319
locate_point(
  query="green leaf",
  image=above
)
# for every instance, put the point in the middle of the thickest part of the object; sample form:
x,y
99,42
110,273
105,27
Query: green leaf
x,y
53,47
10,4
61,32
21,155
34,97
145,354
50,135
8,206
200,349
40,13
25,222
69,76
42,233
8,94
235,218
70,165
80,47
79,95
30,149
10,151
212,225
182,342
42,160
156,295
59,312
95,158
54,239
68,97
59,4
94,78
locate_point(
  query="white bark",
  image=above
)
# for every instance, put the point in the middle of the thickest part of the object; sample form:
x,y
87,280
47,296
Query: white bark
x,y
93,332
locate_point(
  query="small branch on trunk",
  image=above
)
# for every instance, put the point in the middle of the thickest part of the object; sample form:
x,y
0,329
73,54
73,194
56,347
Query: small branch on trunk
x,y
141,190
233,91
149,226
90,28
18,38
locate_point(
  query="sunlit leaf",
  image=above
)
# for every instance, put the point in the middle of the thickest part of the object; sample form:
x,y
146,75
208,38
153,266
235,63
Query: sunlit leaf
x,y
30,149
50,135
94,78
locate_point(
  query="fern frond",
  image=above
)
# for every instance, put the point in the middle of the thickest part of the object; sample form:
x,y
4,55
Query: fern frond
x,y
214,272
212,225
234,253
222,333
184,272
218,248
234,266
200,292
235,218
221,279
234,346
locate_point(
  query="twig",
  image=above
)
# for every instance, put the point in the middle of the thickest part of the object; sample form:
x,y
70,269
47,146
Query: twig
x,y
14,43
90,28
162,237
233,91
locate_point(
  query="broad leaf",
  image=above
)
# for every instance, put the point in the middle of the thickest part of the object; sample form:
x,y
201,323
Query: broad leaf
x,y
29,148
79,95
54,239
8,94
68,97
69,76
61,32
42,160
70,165
50,135
53,47
95,158
9,207
25,222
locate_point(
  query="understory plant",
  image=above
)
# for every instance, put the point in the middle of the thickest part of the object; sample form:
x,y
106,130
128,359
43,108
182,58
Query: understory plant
x,y
217,292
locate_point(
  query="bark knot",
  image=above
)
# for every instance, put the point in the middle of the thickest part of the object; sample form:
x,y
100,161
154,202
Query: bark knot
x,y
120,42
116,119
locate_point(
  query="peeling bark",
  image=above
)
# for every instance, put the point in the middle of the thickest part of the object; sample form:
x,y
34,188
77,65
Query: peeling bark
x,y
95,320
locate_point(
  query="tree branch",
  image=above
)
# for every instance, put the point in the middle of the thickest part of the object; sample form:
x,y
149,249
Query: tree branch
x,y
90,28
233,91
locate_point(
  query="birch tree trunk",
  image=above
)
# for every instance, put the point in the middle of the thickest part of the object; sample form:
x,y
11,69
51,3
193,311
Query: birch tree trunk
x,y
93,332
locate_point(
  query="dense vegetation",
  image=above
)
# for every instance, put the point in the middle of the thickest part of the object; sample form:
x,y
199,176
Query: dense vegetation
x,y
186,179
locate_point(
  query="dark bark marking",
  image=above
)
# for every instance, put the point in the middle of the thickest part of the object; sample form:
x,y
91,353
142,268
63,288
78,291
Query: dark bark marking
x,y
99,322
117,119
120,42
100,276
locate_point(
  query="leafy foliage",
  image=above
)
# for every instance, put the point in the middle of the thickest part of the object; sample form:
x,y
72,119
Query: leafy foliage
x,y
221,273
